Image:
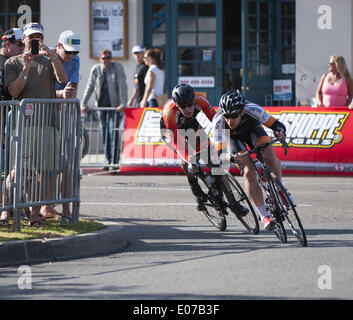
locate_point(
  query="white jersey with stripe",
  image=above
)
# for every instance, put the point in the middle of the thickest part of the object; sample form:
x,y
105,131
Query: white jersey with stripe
x,y
252,112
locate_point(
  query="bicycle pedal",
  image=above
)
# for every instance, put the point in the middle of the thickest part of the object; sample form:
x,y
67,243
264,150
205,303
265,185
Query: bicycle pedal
x,y
201,207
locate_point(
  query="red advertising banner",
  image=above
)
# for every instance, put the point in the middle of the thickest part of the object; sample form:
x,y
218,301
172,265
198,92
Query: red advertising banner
x,y
320,140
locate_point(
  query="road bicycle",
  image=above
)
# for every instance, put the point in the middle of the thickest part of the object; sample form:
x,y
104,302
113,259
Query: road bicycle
x,y
278,200
221,196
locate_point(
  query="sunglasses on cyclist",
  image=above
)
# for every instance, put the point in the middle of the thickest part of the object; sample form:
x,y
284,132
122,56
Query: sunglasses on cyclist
x,y
231,115
186,106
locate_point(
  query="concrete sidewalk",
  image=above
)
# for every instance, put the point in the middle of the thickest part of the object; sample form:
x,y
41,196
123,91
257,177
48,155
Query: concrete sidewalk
x,y
109,240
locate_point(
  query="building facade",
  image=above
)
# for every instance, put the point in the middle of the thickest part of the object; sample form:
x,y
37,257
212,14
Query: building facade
x,y
275,50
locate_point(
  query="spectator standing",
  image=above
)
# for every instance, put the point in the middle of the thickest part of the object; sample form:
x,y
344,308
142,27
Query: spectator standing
x,y
154,79
335,87
33,76
108,81
67,50
11,45
139,77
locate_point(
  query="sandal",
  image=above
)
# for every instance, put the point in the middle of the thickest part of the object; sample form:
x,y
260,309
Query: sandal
x,y
35,224
48,212
65,219
4,223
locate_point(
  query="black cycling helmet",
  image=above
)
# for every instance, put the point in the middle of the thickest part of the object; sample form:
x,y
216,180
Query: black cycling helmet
x,y
183,95
232,102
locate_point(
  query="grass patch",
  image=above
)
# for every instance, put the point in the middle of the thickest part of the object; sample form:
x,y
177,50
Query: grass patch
x,y
51,229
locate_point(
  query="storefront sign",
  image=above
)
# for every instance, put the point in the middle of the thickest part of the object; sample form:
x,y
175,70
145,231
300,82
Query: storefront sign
x,y
288,68
198,82
282,90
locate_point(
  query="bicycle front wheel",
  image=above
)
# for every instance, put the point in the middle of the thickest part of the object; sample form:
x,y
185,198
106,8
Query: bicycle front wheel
x,y
237,193
216,217
290,213
211,209
273,205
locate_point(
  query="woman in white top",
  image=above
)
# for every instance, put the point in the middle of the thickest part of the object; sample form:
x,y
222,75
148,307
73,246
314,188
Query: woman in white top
x,y
154,79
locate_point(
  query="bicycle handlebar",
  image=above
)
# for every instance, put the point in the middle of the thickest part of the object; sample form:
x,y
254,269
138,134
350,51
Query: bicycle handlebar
x,y
257,149
263,146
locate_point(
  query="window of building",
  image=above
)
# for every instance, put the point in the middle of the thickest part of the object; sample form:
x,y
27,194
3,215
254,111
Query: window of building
x,y
16,14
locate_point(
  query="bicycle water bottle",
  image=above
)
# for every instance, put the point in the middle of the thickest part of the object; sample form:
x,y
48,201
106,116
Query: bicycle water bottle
x,y
261,171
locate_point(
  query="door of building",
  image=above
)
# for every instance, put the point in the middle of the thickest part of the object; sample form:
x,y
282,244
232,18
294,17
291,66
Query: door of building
x,y
268,49
189,33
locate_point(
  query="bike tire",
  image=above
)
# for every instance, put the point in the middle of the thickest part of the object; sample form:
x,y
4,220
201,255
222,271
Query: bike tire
x,y
275,211
216,217
210,209
250,221
290,214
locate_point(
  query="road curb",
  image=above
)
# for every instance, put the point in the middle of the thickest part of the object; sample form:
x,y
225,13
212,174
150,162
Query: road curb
x,y
109,240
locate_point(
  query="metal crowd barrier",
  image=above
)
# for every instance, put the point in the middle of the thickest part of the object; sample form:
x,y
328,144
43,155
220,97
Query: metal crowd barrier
x,y
41,151
94,135
8,108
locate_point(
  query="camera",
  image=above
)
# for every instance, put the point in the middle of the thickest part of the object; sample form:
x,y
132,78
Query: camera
x,y
34,46
72,84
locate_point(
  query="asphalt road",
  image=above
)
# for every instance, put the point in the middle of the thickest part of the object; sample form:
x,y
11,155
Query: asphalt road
x,y
174,252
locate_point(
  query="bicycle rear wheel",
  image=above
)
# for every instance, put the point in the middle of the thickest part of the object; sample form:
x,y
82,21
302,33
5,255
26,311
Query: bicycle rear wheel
x,y
290,213
250,221
279,230
211,209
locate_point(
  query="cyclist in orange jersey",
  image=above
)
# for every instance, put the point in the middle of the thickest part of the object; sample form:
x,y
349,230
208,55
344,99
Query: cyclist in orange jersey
x,y
181,123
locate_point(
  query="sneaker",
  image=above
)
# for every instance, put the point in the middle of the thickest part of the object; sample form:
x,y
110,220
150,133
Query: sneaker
x,y
239,209
236,207
267,223
107,166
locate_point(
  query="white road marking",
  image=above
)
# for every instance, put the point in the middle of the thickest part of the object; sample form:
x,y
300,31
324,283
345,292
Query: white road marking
x,y
146,188
138,204
155,204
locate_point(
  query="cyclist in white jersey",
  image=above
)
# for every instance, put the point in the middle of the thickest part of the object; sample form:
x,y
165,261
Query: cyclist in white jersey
x,y
239,123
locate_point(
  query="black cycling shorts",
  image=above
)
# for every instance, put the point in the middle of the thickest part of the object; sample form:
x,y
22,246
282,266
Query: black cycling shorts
x,y
253,136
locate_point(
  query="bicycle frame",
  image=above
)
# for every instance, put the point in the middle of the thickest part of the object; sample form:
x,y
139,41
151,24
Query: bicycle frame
x,y
278,201
270,190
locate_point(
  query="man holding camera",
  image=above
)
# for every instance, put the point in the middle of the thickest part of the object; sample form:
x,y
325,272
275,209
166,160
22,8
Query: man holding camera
x,y
32,75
